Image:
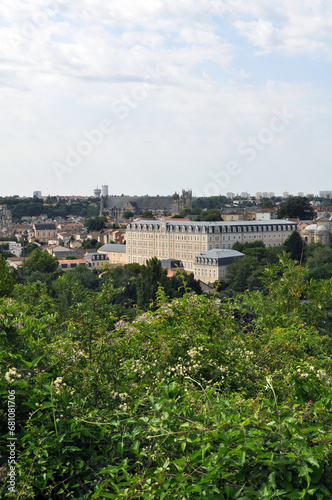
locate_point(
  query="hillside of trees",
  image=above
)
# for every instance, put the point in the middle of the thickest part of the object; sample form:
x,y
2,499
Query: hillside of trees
x,y
51,207
134,386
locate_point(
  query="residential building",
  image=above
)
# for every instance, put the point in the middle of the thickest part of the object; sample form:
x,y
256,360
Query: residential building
x,y
212,265
266,214
95,260
68,264
15,248
116,253
325,194
185,240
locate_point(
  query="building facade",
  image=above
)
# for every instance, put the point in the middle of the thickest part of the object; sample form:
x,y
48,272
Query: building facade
x,y
115,206
186,240
116,253
212,265
45,231
318,231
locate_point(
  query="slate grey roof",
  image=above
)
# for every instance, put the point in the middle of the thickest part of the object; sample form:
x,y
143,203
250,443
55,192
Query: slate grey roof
x,y
45,227
218,253
188,223
143,202
223,257
112,247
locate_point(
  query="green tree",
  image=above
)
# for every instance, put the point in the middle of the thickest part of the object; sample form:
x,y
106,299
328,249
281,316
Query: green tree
x,y
147,214
240,271
93,243
212,215
6,279
41,261
317,255
296,207
128,214
95,224
295,246
152,276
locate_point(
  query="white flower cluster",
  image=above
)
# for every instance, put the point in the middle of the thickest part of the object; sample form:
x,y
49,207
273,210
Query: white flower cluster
x,y
121,395
166,310
306,370
195,351
121,325
59,385
146,318
11,375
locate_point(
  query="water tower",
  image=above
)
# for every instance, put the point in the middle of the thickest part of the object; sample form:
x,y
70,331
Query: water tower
x,y
97,192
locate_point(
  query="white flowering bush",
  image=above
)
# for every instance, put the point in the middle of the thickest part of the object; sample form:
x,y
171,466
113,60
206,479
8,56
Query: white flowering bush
x,y
195,399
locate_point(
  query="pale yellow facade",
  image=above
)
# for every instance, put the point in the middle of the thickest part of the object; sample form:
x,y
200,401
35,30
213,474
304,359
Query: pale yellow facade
x,y
185,240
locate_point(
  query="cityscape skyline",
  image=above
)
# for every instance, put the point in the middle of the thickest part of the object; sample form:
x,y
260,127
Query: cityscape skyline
x,y
218,95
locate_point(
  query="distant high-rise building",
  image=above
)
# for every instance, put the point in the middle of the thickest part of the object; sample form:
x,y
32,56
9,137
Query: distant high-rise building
x,y
285,194
258,195
300,193
230,195
271,195
37,194
244,194
325,194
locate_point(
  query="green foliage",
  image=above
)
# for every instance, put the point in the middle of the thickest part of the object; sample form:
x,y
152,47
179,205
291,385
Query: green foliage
x,y
295,246
210,215
40,261
296,206
6,279
147,214
196,399
210,202
95,224
128,214
93,243
317,255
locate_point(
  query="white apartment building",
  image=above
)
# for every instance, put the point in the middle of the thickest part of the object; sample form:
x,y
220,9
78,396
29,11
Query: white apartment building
x,y
186,240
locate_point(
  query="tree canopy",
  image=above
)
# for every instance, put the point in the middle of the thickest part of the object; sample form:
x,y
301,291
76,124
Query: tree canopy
x,y
296,207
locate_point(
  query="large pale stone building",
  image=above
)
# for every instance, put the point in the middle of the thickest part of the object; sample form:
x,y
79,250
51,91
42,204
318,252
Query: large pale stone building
x,y
186,240
115,206
318,231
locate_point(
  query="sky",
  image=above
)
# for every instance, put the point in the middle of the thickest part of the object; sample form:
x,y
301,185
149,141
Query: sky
x,y
152,97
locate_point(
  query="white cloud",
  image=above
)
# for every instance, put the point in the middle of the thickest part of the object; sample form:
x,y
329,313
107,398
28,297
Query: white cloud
x,y
288,27
67,65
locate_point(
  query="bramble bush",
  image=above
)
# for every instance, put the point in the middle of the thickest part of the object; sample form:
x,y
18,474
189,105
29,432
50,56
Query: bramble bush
x,y
196,398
